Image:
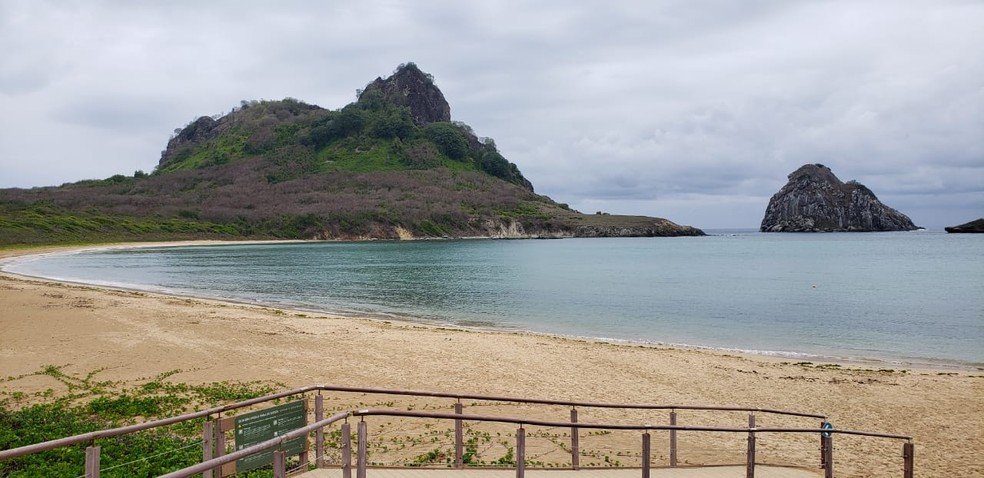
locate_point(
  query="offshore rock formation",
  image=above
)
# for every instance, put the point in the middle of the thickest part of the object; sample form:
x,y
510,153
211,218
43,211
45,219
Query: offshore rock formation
x,y
814,200
976,225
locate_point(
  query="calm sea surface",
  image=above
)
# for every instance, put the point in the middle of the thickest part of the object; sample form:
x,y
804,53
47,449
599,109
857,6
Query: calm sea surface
x,y
909,297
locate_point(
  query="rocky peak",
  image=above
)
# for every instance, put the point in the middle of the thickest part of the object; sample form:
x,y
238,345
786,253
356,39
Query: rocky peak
x,y
409,86
198,131
813,172
815,200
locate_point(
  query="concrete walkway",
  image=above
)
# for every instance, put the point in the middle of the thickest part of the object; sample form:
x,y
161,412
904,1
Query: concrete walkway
x,y
761,471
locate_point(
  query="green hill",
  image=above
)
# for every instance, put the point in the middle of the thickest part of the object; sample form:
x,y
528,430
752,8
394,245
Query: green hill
x,y
391,165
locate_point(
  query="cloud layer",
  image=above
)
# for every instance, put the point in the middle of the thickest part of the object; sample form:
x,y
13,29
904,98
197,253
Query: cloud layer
x,y
694,111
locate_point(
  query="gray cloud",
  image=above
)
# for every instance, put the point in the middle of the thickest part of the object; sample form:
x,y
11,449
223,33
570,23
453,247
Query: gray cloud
x,y
694,111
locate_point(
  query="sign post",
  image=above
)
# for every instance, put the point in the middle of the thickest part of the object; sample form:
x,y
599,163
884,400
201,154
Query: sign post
x,y
262,425
828,449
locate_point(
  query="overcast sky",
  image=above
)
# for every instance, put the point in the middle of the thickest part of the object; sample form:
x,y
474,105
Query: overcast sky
x,y
694,111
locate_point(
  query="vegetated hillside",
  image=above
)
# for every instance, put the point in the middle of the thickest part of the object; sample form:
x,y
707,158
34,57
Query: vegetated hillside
x,y
390,165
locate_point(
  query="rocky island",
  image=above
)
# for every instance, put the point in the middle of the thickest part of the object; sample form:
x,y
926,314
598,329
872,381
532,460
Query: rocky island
x,y
975,226
391,165
815,200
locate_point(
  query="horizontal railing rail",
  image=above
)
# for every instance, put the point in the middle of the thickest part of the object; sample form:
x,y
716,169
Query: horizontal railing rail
x,y
257,448
616,426
566,403
90,436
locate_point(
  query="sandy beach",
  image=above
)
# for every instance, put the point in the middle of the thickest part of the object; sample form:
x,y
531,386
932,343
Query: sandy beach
x,y
131,335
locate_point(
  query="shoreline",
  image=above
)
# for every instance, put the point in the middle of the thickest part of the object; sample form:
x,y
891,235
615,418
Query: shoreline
x,y
123,338
8,257
11,256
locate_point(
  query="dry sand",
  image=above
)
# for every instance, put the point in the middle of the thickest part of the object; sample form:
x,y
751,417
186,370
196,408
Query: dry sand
x,y
134,335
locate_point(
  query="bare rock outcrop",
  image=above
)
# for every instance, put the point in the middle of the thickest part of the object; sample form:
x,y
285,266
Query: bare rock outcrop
x,y
411,87
198,131
815,200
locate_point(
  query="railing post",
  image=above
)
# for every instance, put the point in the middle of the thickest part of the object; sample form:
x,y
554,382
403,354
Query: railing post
x,y
908,459
219,444
520,452
279,464
92,461
346,450
303,457
828,456
575,441
319,435
750,466
673,439
459,445
646,454
823,447
361,470
207,445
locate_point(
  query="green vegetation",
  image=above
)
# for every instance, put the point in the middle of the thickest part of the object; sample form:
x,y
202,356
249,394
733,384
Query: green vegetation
x,y
91,404
227,147
449,139
42,223
525,209
390,163
369,135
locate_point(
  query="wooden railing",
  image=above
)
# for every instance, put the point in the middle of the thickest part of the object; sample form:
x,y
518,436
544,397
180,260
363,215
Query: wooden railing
x,y
214,463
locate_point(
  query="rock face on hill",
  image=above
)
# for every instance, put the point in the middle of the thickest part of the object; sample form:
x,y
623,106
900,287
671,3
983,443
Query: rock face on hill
x,y
815,200
198,131
976,226
414,89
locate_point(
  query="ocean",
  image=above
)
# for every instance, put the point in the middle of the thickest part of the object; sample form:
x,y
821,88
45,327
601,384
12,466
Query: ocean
x,y
898,298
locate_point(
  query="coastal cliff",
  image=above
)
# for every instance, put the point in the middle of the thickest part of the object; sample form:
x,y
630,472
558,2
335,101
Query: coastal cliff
x,y
815,200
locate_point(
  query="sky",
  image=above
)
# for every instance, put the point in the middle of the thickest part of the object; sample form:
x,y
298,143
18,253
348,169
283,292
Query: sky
x,y
691,110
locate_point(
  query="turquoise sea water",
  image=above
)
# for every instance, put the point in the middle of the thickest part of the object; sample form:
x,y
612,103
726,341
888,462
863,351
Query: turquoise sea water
x,y
899,297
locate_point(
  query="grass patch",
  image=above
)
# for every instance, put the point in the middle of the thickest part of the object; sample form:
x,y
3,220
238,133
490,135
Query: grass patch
x,y
365,155
90,404
40,223
227,147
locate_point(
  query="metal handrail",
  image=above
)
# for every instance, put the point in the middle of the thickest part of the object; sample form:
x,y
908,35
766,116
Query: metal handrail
x,y
90,436
632,406
215,462
254,449
616,426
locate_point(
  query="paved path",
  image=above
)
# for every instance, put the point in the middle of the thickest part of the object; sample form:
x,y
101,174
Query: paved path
x,y
761,471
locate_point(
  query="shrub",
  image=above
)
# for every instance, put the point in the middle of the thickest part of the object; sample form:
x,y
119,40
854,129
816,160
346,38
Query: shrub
x,y
448,138
395,124
349,121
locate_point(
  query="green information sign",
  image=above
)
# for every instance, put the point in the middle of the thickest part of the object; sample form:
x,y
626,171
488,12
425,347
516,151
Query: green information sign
x,y
262,425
